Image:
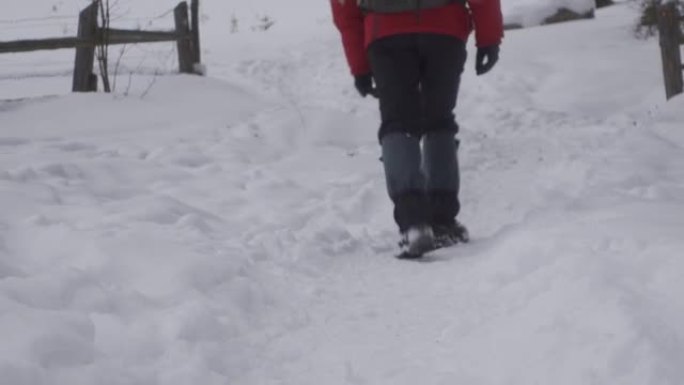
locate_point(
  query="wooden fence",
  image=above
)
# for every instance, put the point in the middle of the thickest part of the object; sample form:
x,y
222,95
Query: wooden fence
x,y
671,38
90,35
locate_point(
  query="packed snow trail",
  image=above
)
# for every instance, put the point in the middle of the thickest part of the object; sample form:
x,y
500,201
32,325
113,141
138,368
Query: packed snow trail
x,y
553,289
239,233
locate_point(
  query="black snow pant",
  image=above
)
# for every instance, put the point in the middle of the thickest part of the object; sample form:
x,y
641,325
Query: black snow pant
x,y
417,78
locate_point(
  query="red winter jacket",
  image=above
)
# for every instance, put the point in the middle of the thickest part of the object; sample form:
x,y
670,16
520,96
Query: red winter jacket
x,y
359,30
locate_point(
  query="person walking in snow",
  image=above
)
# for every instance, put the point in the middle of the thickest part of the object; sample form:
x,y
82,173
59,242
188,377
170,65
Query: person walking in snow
x,y
410,54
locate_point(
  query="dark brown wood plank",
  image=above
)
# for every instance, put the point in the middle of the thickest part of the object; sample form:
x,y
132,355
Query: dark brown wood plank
x,y
185,54
670,40
122,36
43,44
84,78
195,29
116,36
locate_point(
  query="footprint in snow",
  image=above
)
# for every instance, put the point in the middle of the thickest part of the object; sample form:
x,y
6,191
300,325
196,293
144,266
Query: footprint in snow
x,y
13,142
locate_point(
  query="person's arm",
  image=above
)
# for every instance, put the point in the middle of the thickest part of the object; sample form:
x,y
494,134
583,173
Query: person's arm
x,y
348,19
488,22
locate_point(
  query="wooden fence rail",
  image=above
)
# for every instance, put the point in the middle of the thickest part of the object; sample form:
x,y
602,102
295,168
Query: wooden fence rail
x,y
186,35
671,38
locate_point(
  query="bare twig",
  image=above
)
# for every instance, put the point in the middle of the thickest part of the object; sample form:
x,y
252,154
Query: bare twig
x,y
118,65
149,86
128,86
103,47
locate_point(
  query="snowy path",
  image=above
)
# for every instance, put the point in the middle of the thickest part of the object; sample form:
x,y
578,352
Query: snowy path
x,y
228,236
569,260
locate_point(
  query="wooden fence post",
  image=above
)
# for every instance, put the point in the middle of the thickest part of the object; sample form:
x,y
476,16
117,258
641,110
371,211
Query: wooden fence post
x,y
185,52
670,40
186,35
194,7
84,78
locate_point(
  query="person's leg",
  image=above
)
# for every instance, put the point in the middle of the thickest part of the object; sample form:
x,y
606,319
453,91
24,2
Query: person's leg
x,y
440,160
396,69
443,60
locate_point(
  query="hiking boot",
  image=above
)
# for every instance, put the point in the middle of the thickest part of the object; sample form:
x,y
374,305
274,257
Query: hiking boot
x,y
449,235
416,241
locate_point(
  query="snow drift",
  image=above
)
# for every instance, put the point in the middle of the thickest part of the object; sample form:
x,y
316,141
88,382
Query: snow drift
x,y
238,232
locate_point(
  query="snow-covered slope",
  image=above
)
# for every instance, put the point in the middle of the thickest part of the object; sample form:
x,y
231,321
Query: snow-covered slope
x,y
235,230
234,24
528,13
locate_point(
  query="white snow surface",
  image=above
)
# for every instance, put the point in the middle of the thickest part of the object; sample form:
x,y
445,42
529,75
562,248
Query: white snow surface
x,y
529,13
234,229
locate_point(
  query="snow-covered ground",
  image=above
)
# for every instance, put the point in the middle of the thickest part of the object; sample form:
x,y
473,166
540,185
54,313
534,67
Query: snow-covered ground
x,y
234,229
529,13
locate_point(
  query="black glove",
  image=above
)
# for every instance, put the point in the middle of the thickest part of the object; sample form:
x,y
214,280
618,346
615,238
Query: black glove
x,y
364,84
490,53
